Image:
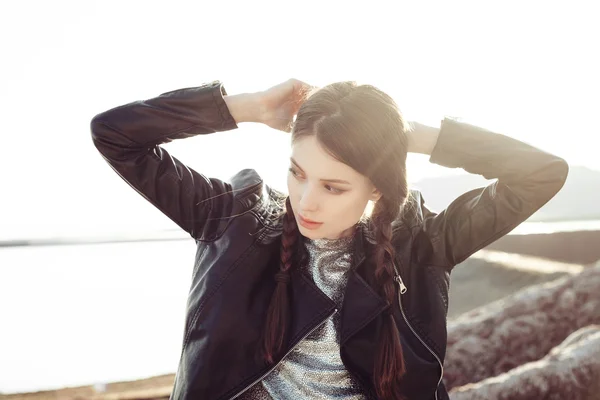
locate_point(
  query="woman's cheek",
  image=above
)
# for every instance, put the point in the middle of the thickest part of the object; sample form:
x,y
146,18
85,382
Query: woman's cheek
x,y
292,188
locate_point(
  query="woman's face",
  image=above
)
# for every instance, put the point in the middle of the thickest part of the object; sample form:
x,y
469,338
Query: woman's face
x,y
325,191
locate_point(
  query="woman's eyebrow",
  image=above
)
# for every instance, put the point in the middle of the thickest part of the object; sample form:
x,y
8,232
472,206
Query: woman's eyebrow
x,y
322,180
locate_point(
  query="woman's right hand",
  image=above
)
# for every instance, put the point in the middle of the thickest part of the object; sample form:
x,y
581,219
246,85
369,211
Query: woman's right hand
x,y
280,103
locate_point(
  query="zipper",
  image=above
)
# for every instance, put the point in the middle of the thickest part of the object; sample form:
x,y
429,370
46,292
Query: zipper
x,y
403,290
400,282
283,358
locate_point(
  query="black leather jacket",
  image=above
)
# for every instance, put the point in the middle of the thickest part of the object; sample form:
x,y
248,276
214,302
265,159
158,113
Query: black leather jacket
x,y
237,231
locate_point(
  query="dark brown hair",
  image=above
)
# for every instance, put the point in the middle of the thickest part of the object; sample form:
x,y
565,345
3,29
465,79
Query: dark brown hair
x,y
362,127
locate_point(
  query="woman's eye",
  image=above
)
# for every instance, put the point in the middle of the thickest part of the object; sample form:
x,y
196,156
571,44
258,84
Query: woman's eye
x,y
333,190
294,172
328,188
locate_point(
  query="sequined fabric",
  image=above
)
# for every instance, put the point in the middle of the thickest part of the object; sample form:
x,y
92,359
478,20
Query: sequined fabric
x,y
314,369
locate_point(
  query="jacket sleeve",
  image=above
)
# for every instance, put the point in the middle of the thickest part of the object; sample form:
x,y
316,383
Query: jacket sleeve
x,y
129,139
526,179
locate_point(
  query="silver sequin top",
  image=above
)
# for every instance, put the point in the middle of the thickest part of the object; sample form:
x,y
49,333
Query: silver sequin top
x,y
314,369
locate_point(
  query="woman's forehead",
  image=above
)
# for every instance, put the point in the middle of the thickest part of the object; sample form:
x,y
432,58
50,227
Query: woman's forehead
x,y
309,155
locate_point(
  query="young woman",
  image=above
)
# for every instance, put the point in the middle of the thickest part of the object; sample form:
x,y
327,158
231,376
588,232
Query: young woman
x,y
338,290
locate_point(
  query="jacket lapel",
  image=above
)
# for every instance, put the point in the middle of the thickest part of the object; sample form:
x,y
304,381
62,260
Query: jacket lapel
x,y
309,306
361,303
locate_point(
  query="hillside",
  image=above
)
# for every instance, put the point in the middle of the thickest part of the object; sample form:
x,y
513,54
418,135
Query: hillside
x,y
579,199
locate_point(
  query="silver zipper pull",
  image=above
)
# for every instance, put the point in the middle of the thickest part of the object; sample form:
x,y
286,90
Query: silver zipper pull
x,y
400,282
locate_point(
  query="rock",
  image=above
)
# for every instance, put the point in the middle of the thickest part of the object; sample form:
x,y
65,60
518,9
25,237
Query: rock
x,y
570,371
521,328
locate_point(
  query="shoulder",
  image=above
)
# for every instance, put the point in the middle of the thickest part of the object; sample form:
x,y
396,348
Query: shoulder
x,y
410,217
252,193
413,211
408,233
246,186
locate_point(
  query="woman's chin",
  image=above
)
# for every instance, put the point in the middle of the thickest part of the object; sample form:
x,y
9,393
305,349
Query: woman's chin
x,y
311,233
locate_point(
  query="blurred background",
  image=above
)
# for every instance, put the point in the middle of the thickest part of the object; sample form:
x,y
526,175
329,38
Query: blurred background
x,y
93,279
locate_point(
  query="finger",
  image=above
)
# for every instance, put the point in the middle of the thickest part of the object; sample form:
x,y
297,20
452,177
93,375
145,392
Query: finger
x,y
301,86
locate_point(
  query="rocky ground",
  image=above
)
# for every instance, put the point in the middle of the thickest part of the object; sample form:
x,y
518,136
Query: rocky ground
x,y
542,342
154,388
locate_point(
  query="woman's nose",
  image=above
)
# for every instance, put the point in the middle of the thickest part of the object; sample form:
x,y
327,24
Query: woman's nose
x,y
308,201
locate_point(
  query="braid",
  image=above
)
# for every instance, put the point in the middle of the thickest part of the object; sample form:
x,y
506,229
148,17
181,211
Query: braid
x,y
278,314
288,237
389,364
384,253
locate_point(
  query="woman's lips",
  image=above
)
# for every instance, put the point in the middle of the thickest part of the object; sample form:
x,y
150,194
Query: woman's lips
x,y
307,223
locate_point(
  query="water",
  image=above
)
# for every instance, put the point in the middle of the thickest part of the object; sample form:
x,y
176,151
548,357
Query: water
x,y
91,313
559,226
81,314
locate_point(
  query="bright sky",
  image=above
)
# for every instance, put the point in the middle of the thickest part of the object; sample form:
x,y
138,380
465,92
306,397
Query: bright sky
x,y
526,69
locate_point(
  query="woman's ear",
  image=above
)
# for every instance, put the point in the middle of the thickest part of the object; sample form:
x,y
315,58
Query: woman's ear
x,y
375,195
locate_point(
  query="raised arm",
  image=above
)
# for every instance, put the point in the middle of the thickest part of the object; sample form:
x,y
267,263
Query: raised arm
x,y
527,178
129,138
